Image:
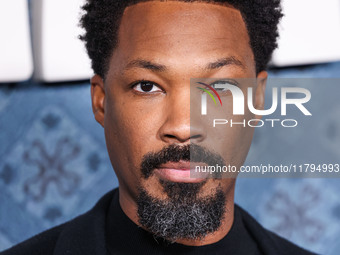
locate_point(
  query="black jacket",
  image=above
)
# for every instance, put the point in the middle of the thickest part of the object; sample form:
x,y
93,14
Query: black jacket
x,y
85,235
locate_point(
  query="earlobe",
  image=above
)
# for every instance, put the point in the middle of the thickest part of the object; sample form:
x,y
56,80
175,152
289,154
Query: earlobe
x,y
260,91
98,98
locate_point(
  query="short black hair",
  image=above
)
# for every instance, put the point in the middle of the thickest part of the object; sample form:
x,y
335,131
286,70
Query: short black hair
x,y
102,19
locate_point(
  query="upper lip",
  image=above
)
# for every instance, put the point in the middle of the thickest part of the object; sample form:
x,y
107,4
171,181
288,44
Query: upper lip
x,y
181,165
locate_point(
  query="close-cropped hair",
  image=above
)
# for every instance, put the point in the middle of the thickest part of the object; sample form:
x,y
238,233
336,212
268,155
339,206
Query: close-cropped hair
x,y
101,21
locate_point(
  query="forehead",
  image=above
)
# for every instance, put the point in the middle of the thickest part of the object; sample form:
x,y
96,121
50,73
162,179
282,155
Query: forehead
x,y
159,14
175,30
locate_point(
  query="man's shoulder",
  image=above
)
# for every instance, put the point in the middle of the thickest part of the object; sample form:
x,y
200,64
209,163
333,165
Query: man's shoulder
x,y
268,241
78,234
43,243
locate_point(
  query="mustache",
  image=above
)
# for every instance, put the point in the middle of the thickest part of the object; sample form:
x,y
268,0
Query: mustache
x,y
175,153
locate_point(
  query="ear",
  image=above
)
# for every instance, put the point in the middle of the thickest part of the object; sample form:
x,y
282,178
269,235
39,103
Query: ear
x,y
260,91
98,98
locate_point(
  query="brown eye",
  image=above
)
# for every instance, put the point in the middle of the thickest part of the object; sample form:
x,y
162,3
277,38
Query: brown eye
x,y
146,87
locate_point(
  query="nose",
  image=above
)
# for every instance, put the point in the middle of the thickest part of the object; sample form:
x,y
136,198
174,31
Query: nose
x,y
179,126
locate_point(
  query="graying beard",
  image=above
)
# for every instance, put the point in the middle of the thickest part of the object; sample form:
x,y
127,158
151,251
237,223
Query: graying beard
x,y
187,218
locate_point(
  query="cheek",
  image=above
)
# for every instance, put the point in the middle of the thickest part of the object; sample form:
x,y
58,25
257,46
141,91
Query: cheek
x,y
231,142
241,139
130,129
129,136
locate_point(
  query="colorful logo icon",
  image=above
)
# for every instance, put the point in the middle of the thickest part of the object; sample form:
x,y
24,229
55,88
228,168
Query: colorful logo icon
x,y
209,93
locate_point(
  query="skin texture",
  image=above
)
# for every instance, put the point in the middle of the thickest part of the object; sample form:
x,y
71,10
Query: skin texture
x,y
176,41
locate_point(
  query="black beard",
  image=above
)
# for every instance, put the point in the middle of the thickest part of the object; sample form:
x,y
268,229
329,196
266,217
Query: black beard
x,y
183,215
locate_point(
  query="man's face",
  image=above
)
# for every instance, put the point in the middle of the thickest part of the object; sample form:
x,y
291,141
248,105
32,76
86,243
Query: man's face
x,y
144,104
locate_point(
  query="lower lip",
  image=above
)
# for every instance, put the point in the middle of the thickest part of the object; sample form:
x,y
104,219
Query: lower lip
x,y
176,175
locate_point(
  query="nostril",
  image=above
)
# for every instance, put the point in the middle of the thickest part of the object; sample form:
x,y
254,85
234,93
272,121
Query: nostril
x,y
170,136
195,136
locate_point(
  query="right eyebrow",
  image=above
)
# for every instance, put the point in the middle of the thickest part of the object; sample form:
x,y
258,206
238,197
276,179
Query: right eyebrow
x,y
225,62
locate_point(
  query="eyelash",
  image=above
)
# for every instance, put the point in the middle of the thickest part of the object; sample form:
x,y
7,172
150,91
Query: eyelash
x,y
232,82
222,91
134,85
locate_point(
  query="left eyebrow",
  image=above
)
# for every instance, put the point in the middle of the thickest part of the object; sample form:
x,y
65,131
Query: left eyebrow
x,y
145,64
225,62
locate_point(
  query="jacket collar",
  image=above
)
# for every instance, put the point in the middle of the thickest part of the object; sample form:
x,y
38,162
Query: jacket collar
x,y
85,235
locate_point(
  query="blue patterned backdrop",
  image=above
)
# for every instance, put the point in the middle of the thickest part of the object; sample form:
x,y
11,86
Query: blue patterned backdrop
x,y
54,166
